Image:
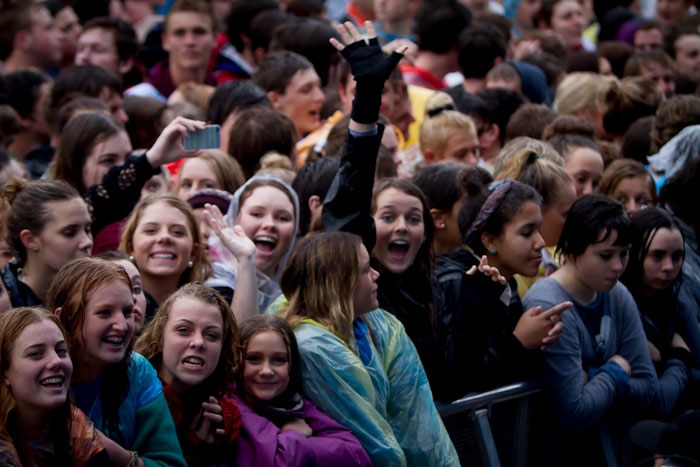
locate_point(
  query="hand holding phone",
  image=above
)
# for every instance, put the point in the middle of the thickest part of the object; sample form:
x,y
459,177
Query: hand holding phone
x,y
208,138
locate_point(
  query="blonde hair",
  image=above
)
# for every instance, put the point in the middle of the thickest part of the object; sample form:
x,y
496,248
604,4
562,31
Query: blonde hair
x,y
441,122
505,166
228,171
320,279
579,91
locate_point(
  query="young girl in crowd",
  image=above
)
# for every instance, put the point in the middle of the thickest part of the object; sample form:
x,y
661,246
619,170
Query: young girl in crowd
x,y
381,390
486,331
440,183
558,193
117,389
139,310
39,424
278,425
93,157
212,169
48,224
162,239
668,312
192,343
573,140
599,372
267,209
394,220
446,133
627,181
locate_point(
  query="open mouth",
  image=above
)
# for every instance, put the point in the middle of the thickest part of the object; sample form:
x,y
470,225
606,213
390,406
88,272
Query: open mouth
x,y
53,382
265,244
164,256
193,362
114,340
398,249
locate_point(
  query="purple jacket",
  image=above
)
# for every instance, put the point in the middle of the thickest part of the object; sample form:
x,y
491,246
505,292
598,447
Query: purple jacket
x,y
263,444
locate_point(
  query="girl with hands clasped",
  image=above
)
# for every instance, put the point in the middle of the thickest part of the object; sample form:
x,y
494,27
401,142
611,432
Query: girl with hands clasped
x,y
488,334
192,342
278,425
599,372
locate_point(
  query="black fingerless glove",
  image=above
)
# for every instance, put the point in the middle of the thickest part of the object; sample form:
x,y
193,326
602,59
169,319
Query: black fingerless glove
x,y
370,68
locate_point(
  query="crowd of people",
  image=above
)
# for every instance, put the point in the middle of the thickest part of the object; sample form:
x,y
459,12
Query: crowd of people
x,y
407,202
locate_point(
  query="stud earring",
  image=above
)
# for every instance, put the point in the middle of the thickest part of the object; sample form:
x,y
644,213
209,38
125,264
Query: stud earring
x,y
494,252
442,226
131,258
190,264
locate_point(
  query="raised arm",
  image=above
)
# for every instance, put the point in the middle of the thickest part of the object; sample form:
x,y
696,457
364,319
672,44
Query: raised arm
x,y
347,204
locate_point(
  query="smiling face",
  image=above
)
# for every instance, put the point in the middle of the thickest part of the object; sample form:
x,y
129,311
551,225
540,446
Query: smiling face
x,y
664,260
110,152
518,247
400,229
599,267
266,366
192,341
40,370
196,174
108,326
585,167
365,295
65,236
162,243
301,101
267,217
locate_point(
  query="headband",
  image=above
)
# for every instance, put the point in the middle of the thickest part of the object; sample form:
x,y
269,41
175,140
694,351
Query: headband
x,y
499,190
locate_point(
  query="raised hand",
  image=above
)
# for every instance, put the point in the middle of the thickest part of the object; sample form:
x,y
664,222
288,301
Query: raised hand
x,y
168,147
488,271
537,328
235,239
369,66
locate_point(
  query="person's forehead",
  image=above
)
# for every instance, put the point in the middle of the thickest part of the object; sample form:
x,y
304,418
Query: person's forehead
x,y
99,33
183,19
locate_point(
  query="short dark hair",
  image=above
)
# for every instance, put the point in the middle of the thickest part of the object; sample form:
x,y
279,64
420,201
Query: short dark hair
x,y
479,47
24,89
190,6
314,178
592,219
437,27
234,95
88,80
123,34
276,70
240,17
502,103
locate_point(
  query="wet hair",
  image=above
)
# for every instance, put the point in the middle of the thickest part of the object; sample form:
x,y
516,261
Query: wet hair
x,y
441,121
234,96
30,208
544,175
14,445
150,343
647,224
439,183
314,178
228,171
263,323
672,116
70,291
201,268
78,138
259,130
320,279
621,169
593,219
475,221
